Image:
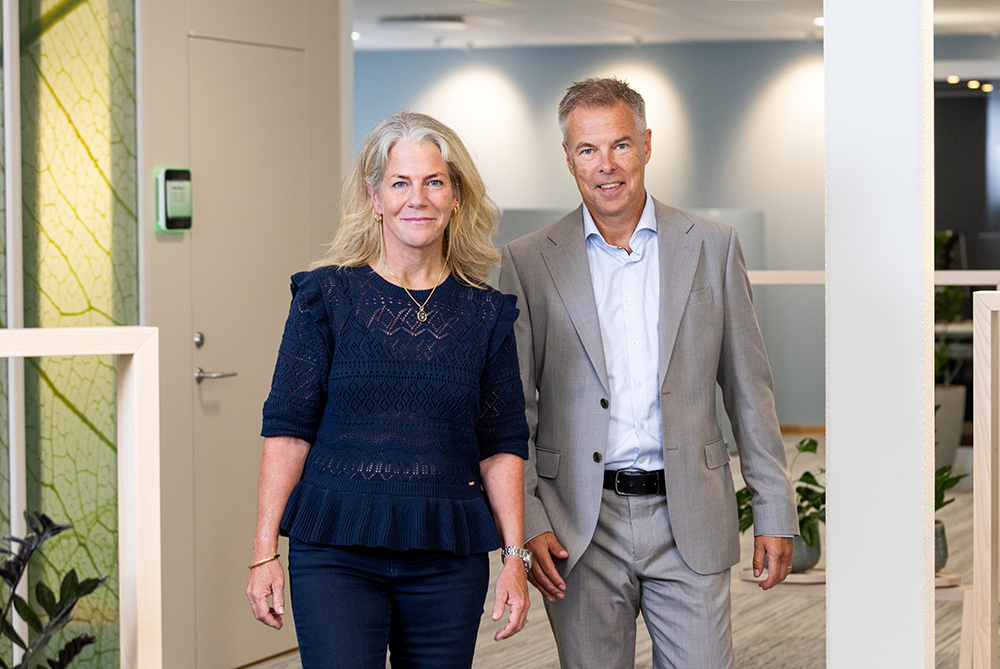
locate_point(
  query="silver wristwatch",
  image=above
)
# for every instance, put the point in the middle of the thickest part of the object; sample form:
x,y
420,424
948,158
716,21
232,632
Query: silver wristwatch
x,y
522,553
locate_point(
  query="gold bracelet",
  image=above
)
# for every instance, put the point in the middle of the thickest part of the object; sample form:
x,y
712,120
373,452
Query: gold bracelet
x,y
265,560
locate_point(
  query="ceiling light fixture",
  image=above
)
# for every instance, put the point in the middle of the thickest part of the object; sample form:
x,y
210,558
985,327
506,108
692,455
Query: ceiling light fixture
x,y
355,36
987,88
431,21
973,84
818,21
953,79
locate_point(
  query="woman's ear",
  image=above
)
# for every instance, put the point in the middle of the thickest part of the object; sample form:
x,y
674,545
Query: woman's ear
x,y
375,203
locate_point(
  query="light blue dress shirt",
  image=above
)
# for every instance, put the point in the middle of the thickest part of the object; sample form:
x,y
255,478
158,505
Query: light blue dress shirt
x,y
627,290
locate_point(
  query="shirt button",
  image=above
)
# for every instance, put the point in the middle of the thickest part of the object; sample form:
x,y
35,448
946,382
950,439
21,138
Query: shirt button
x,y
638,384
635,343
604,403
628,301
642,426
597,457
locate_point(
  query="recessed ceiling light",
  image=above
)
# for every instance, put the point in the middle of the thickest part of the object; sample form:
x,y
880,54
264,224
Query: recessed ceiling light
x,y
355,35
973,84
818,21
987,88
953,79
432,21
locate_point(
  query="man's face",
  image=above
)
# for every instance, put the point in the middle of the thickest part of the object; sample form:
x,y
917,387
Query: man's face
x,y
607,155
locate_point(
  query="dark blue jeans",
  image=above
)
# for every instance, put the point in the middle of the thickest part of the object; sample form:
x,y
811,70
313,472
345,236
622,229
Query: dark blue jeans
x,y
351,604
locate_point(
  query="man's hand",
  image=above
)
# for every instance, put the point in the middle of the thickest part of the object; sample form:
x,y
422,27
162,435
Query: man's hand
x,y
543,571
779,559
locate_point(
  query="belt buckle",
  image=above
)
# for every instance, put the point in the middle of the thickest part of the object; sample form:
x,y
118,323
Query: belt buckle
x,y
618,490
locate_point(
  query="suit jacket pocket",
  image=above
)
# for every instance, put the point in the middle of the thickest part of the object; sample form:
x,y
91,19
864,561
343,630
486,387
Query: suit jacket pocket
x,y
700,295
546,463
716,453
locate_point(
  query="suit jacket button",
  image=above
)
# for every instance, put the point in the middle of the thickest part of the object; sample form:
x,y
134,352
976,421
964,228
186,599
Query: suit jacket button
x,y
604,403
597,457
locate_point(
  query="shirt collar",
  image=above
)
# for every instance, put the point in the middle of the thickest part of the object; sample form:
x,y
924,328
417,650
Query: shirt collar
x,y
647,221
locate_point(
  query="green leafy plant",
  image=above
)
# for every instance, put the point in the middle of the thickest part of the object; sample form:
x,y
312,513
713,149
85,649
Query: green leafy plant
x,y
57,613
943,481
948,304
810,498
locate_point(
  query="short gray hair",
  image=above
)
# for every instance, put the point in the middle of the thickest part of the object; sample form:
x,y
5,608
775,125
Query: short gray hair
x,y
602,92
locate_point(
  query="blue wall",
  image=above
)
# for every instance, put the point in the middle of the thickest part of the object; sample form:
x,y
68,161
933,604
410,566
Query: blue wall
x,y
735,125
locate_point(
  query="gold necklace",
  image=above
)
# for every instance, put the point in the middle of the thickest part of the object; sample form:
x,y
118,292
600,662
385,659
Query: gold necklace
x,y
421,314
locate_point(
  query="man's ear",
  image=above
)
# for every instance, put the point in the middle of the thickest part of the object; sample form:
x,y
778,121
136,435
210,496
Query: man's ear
x,y
569,160
647,138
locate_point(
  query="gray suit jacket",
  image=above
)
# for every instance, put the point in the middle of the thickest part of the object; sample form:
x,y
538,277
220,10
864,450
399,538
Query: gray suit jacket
x,y
708,333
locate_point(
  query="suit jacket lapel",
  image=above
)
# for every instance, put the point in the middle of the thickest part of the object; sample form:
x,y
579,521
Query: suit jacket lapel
x,y
679,256
567,263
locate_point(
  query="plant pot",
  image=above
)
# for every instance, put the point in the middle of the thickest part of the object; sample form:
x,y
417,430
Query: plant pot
x,y
940,547
804,558
948,421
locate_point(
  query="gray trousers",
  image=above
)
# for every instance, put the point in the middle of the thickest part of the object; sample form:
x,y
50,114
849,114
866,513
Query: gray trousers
x,y
633,565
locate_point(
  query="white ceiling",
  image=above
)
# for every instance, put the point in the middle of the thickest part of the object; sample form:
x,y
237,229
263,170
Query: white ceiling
x,y
503,23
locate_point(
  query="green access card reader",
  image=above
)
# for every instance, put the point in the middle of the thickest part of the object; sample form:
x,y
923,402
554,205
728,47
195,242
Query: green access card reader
x,y
173,199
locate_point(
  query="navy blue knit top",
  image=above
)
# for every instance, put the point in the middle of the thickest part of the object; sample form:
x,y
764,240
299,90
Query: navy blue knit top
x,y
399,413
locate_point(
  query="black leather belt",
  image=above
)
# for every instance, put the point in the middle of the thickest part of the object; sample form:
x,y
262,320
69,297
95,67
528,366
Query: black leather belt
x,y
631,482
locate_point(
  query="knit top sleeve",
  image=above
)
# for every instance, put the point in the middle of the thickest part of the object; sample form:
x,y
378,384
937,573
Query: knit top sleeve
x,y
502,427
299,385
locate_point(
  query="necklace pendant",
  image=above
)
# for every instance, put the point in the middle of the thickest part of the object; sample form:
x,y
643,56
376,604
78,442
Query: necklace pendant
x,y
422,315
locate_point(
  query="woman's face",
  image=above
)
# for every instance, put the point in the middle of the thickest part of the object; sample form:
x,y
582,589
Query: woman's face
x,y
415,199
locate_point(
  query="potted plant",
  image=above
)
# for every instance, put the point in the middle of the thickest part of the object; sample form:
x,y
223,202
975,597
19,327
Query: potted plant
x,y
943,480
56,612
810,503
949,400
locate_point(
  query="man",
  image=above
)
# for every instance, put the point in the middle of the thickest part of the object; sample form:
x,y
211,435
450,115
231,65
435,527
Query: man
x,y
630,313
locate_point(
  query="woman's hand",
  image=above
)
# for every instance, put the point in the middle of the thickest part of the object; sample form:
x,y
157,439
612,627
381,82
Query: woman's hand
x,y
512,591
267,580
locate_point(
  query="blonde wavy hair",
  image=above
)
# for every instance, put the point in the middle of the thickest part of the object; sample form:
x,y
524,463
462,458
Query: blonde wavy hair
x,y
468,240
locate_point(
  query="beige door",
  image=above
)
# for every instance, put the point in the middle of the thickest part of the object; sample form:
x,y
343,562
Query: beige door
x,y
249,170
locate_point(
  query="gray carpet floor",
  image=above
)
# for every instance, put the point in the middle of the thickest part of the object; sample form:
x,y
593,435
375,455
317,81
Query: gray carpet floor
x,y
769,632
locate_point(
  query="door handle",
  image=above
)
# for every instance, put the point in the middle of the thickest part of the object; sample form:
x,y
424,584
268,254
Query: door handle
x,y
200,374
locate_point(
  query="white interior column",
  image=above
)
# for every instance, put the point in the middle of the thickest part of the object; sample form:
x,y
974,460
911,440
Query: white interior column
x,y
880,410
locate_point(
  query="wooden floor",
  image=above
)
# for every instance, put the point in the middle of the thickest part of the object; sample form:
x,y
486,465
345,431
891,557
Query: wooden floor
x,y
769,632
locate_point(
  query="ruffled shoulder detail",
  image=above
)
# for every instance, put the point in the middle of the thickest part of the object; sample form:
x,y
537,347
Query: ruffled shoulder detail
x,y
506,317
308,294
343,518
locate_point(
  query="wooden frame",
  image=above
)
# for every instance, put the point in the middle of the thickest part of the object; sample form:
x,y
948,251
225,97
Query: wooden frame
x,y
137,348
951,277
986,426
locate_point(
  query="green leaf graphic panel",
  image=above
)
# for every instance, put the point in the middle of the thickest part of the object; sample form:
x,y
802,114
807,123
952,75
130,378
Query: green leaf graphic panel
x,y
79,202
5,647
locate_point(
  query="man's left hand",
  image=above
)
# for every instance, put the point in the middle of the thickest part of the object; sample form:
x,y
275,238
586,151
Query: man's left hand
x,y
779,559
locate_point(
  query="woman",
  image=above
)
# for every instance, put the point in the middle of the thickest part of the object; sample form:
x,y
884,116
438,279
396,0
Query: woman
x,y
395,431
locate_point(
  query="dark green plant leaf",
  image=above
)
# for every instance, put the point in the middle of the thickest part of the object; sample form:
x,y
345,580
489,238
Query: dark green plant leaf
x,y
67,590
744,508
46,598
88,585
11,634
807,477
69,651
813,498
27,614
943,481
807,445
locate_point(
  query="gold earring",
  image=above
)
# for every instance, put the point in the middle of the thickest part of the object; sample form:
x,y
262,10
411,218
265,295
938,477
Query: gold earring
x,y
454,209
378,217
